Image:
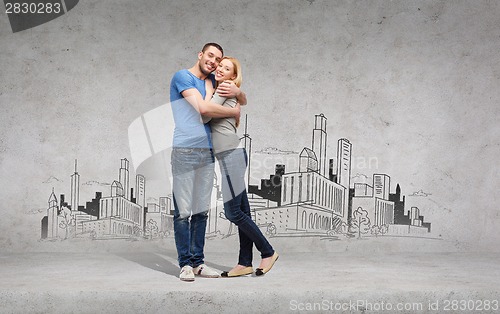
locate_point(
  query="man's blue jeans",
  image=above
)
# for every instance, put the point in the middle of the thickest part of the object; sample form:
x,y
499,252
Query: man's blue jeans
x,y
193,176
233,164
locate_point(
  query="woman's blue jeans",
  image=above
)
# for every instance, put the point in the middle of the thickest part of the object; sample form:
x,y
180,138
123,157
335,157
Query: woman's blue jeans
x,y
233,165
193,176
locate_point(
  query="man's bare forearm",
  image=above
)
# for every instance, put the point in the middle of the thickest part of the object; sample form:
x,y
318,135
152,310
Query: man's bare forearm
x,y
213,110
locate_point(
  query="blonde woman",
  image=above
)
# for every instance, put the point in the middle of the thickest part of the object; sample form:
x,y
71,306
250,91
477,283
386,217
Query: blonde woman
x,y
233,161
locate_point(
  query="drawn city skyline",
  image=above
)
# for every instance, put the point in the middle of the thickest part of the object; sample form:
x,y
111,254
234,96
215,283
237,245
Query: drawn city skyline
x,y
320,199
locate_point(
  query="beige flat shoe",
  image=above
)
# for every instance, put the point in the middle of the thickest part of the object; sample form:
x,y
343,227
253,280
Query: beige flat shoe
x,y
242,272
262,271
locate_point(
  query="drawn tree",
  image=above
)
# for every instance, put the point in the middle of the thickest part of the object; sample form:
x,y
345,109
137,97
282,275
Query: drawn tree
x,y
376,230
164,234
384,229
271,230
344,227
151,229
67,222
360,222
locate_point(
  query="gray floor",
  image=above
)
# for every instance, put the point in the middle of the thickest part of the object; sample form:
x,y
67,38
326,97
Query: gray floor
x,y
309,282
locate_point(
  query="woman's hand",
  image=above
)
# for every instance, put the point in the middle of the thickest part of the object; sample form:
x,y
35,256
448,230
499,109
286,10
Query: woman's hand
x,y
228,89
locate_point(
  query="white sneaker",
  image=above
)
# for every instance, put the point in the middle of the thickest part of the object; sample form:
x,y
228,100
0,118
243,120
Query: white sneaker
x,y
186,273
205,271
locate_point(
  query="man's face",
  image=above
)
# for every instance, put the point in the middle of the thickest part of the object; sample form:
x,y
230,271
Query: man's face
x,y
209,60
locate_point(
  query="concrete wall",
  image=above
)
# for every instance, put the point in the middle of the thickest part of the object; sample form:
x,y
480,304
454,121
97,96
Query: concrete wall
x,y
413,85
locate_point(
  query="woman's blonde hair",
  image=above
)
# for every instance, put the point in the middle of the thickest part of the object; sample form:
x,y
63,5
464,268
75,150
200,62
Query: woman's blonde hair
x,y
237,70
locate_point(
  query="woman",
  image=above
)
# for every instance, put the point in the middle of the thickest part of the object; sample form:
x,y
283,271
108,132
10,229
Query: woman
x,y
233,160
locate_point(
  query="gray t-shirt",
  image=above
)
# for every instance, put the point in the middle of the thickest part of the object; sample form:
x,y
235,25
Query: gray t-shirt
x,y
224,136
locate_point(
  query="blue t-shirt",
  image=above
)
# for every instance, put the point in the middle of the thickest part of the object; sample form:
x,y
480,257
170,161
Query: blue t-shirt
x,y
189,129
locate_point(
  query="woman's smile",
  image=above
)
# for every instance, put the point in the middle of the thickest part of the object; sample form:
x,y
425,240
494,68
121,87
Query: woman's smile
x,y
225,70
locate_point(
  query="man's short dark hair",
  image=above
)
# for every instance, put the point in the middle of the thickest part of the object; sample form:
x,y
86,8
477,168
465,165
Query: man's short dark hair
x,y
213,45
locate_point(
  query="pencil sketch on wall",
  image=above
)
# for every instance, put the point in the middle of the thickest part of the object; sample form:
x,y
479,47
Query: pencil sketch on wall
x,y
321,199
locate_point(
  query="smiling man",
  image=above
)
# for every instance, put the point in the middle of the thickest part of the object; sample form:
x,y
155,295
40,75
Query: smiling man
x,y
192,156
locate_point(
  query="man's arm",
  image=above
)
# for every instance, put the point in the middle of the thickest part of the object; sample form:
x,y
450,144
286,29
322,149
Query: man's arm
x,y
229,90
206,108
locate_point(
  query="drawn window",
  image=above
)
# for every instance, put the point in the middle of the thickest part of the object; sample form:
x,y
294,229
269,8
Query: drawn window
x,y
285,184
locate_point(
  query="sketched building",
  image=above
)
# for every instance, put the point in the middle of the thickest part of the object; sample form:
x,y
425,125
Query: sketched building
x,y
49,222
55,221
80,218
399,207
387,209
307,200
124,177
159,218
375,200
216,210
319,142
307,160
247,144
409,222
270,189
381,186
344,148
75,189
119,216
140,190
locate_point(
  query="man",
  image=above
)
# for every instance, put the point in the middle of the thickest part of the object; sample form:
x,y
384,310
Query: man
x,y
192,157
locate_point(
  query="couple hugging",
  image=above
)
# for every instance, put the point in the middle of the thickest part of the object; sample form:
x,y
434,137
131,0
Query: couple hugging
x,y
205,102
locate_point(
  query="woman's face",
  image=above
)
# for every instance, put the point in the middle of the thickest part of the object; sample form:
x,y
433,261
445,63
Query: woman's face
x,y
225,71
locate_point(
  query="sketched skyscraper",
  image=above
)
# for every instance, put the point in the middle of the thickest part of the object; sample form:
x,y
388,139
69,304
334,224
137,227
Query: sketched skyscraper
x,y
247,144
124,178
75,189
381,186
319,143
52,212
140,190
344,148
